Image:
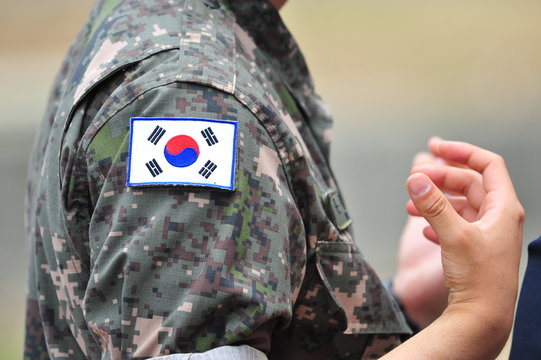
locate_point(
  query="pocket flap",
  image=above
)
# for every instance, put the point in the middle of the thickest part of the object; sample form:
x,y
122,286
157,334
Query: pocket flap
x,y
357,289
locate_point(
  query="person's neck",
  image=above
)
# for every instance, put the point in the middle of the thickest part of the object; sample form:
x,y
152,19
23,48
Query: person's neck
x,y
278,3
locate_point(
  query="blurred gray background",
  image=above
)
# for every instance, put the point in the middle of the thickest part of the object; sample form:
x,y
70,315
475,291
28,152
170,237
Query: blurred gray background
x,y
394,73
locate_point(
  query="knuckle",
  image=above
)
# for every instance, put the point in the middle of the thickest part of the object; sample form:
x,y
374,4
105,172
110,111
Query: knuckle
x,y
436,208
499,159
521,214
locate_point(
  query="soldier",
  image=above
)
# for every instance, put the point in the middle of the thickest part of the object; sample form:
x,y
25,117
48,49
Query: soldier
x,y
180,200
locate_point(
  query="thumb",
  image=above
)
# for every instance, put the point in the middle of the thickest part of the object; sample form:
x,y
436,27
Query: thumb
x,y
433,206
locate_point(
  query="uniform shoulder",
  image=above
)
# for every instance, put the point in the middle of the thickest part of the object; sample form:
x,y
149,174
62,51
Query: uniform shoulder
x,y
173,101
121,35
161,53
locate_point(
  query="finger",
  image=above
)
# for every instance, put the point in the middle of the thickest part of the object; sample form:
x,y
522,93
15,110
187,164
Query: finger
x,y
423,158
432,204
431,235
464,208
434,147
490,165
469,214
456,181
411,209
459,203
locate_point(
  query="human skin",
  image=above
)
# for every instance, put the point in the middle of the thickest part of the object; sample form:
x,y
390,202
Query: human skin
x,y
278,3
476,271
419,282
480,234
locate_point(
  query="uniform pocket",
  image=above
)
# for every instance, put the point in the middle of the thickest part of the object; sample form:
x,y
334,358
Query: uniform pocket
x,y
357,290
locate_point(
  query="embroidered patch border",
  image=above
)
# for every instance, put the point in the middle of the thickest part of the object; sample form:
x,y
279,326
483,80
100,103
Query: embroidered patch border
x,y
183,151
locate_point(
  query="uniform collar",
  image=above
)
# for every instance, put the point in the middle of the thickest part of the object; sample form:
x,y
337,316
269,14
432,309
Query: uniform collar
x,y
261,20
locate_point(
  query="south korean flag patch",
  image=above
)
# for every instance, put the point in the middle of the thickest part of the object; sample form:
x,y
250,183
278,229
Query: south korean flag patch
x,y
182,152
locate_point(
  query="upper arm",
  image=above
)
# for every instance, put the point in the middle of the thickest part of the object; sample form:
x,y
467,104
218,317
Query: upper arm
x,y
181,269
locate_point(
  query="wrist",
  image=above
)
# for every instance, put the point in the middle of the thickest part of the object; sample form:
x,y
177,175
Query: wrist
x,y
493,306
463,331
482,321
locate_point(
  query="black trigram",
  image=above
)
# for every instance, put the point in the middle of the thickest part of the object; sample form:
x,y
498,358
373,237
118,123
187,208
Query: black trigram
x,y
208,134
156,135
154,168
207,169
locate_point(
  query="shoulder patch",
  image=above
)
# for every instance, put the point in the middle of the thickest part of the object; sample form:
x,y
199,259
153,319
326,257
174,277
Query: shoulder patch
x,y
182,152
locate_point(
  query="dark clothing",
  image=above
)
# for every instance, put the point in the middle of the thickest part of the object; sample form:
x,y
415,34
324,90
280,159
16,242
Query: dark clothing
x,y
527,332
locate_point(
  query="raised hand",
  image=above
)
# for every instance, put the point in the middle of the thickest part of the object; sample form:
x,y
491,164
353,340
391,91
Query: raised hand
x,y
419,281
480,233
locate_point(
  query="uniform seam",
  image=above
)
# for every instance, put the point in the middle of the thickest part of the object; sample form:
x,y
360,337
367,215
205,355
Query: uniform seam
x,y
258,107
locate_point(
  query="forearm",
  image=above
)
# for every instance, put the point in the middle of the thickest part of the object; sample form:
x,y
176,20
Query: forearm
x,y
459,333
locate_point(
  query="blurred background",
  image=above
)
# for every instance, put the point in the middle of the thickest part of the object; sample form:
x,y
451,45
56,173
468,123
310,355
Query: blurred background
x,y
394,73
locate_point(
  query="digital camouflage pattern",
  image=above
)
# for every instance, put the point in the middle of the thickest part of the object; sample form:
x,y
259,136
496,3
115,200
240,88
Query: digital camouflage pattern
x,y
121,272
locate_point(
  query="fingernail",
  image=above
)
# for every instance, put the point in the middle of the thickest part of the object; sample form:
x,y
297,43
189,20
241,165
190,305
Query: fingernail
x,y
418,185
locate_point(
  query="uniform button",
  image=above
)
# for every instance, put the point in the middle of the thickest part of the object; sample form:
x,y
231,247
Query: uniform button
x,y
213,4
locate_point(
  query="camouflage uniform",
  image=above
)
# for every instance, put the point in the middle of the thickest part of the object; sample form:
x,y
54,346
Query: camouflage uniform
x,y
121,271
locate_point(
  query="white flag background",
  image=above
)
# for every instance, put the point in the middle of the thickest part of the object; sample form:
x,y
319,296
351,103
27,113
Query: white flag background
x,y
214,167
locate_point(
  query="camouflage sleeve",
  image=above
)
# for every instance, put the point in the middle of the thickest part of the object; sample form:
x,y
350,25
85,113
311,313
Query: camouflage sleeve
x,y
175,269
